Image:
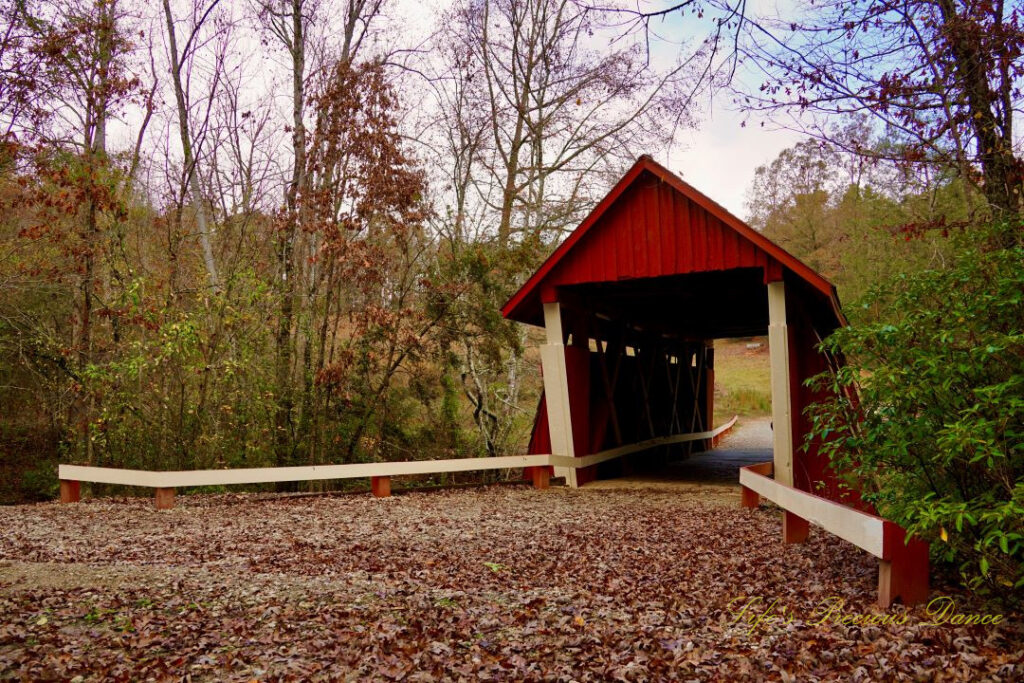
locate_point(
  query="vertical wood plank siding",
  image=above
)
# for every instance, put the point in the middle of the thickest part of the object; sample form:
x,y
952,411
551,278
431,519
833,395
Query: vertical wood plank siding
x,y
655,232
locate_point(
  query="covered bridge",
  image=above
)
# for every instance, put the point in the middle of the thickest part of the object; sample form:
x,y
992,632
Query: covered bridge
x,y
631,302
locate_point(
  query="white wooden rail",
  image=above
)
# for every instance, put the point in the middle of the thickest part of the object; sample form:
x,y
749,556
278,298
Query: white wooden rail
x,y
903,563
618,452
266,475
859,528
379,473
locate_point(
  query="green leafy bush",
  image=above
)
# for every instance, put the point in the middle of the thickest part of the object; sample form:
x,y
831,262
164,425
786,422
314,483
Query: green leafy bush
x,y
40,482
928,413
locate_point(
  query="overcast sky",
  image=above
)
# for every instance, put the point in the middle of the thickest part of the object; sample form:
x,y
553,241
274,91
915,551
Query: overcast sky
x,y
719,157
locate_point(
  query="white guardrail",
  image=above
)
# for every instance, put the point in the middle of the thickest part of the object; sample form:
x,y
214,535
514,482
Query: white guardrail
x,y
902,560
859,528
70,475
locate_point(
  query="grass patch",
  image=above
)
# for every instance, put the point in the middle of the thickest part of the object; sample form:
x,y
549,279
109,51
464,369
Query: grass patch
x,y
742,379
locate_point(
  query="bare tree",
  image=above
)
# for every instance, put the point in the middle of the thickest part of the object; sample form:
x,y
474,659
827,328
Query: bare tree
x,y
200,15
289,22
23,91
293,23
558,107
540,107
245,141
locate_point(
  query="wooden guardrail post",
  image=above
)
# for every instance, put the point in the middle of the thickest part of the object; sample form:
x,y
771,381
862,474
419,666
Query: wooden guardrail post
x,y
794,528
381,486
904,574
541,477
70,491
749,498
164,498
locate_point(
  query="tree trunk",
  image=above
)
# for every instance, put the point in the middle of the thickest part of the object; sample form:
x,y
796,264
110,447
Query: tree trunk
x,y
1000,169
284,436
192,177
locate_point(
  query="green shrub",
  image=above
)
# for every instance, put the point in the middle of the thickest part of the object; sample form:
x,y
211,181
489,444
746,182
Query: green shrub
x,y
40,482
933,438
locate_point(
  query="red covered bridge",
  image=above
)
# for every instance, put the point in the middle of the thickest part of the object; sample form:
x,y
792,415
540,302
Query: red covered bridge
x,y
631,303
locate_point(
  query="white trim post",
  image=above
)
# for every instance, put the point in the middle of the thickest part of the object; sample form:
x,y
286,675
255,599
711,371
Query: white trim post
x,y
556,389
794,528
778,347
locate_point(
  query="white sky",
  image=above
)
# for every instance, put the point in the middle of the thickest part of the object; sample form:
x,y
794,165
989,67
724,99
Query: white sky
x,y
719,157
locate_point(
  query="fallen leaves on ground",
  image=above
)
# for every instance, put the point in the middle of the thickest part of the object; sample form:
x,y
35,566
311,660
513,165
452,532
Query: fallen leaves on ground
x,y
490,584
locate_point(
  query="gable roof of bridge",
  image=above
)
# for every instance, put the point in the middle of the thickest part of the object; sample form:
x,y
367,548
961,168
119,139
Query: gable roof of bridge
x,y
654,224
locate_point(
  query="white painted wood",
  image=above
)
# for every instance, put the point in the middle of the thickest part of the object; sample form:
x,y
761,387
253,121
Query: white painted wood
x,y
561,470
859,528
265,475
553,324
556,397
109,475
778,346
556,389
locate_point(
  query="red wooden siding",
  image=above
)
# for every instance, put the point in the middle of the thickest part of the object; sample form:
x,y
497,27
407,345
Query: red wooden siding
x,y
635,239
540,437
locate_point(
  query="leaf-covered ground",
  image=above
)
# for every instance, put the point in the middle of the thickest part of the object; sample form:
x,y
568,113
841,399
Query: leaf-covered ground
x,y
501,583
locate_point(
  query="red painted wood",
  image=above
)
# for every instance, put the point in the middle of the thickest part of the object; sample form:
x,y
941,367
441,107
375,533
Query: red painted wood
x,y
669,232
709,242
578,375
903,571
716,259
651,235
70,491
638,240
732,241
698,228
746,252
772,272
164,498
749,498
626,228
380,486
684,242
609,259
794,529
624,245
540,438
638,232
541,477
